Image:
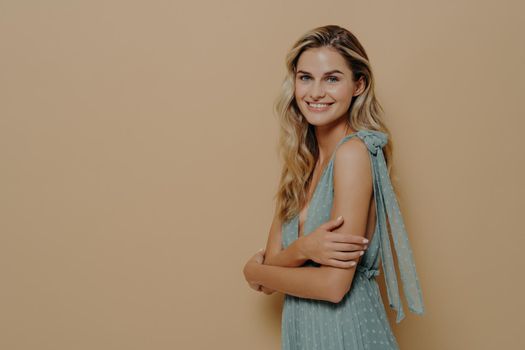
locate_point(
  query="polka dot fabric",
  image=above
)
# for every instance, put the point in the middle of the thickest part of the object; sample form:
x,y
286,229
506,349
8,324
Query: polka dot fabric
x,y
359,321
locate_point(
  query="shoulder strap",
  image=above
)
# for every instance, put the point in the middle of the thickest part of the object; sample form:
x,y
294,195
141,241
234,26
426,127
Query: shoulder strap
x,y
343,140
386,200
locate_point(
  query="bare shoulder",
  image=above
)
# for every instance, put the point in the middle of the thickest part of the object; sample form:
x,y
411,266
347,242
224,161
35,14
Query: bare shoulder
x,y
352,157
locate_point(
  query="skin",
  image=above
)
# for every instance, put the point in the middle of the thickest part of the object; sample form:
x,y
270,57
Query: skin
x,y
353,191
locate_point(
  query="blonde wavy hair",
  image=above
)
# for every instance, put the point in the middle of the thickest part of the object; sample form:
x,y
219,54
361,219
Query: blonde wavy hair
x,y
297,146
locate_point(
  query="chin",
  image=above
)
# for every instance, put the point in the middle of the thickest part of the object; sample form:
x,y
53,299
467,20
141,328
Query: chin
x,y
320,121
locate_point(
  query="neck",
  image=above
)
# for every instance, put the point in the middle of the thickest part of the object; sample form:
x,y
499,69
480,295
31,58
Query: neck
x,y
328,137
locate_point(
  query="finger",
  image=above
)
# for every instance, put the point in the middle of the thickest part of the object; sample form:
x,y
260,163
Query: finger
x,y
266,290
346,256
349,238
341,264
345,247
333,224
345,238
255,286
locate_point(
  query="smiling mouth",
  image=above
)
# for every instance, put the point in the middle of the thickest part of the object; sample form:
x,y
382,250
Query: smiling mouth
x,y
318,105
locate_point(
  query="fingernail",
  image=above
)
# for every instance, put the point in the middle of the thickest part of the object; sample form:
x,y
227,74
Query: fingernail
x,y
365,240
339,217
362,252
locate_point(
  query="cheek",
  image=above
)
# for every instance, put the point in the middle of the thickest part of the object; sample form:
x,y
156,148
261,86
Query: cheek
x,y
341,92
299,91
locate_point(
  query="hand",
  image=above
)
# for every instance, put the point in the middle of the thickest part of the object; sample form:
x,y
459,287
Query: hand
x,y
258,258
266,290
335,249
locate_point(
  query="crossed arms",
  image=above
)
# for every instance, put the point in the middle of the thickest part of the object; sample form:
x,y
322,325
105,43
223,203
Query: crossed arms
x,y
282,270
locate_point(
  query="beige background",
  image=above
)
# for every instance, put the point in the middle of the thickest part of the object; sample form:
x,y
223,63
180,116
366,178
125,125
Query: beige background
x,y
138,164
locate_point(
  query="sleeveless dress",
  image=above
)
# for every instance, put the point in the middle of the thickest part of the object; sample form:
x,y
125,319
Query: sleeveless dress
x,y
359,321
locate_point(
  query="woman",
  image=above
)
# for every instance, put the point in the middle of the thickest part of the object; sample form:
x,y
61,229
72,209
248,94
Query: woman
x,y
334,192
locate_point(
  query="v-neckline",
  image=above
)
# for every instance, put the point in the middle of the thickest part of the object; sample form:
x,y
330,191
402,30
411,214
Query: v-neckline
x,y
298,216
298,229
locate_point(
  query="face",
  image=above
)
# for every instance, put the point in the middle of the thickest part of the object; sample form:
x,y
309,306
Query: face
x,y
324,87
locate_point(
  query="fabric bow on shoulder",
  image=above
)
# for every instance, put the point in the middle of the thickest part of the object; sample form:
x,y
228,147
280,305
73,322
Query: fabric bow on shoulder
x,y
387,205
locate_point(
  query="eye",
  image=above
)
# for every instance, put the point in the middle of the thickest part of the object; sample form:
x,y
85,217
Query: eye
x,y
335,79
303,76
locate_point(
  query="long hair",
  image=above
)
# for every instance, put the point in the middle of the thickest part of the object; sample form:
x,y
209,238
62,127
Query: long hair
x,y
298,147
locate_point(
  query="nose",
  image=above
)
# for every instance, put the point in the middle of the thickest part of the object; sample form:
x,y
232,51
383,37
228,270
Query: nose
x,y
317,91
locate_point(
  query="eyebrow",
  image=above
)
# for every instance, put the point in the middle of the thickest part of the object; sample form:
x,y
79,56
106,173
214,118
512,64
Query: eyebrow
x,y
327,73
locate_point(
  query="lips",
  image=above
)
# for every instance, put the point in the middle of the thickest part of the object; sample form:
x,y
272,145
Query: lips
x,y
318,107
323,104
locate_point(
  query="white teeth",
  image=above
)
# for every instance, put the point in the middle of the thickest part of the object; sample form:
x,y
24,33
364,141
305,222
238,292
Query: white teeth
x,y
318,105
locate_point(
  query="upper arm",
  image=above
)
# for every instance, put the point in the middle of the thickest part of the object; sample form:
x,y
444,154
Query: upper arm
x,y
353,189
274,242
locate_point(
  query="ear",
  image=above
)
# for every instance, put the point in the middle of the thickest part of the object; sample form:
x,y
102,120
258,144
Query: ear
x,y
360,86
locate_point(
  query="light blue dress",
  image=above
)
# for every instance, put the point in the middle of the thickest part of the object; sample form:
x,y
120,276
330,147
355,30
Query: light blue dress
x,y
359,321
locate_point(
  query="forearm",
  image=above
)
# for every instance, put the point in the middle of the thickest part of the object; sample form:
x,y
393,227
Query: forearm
x,y
292,256
305,282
